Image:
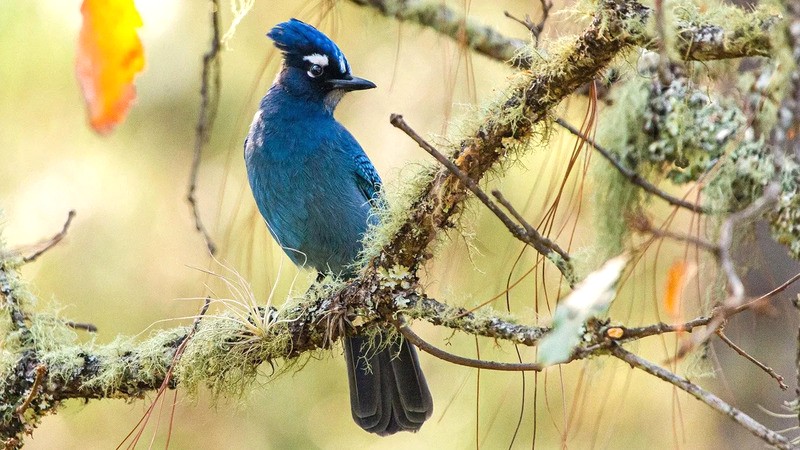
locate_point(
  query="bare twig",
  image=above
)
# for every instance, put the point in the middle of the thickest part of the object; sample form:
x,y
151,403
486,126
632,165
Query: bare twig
x,y
735,302
91,328
209,101
627,334
769,370
534,28
769,294
40,371
52,242
716,403
412,337
531,235
642,224
524,232
631,175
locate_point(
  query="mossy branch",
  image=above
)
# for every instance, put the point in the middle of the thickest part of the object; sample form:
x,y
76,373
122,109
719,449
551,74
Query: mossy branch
x,y
43,363
505,124
440,17
723,32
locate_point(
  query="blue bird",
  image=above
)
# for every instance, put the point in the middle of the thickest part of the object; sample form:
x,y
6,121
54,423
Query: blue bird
x,y
316,187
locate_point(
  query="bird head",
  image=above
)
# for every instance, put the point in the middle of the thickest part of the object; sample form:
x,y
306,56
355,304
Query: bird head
x,y
313,65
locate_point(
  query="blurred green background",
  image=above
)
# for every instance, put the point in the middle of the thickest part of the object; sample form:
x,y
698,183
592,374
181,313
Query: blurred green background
x,y
132,258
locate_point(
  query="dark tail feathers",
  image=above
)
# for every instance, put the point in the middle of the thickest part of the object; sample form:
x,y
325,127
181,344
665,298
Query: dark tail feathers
x,y
388,392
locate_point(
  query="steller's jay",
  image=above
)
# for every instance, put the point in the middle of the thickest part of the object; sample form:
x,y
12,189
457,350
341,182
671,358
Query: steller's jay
x,y
315,187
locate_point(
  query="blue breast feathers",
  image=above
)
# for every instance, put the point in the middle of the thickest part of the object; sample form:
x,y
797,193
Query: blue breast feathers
x,y
311,180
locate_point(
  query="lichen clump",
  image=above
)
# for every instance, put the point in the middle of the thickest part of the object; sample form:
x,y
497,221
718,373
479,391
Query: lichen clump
x,y
742,178
679,130
689,129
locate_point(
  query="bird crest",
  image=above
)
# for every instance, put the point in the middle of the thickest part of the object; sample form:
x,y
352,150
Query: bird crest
x,y
301,43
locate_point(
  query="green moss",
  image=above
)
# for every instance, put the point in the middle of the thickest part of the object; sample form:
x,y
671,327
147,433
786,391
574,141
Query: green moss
x,y
745,30
678,131
479,321
619,130
741,179
223,355
226,351
400,197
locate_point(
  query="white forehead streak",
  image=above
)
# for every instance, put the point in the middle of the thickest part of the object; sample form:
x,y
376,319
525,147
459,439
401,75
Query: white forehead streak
x,y
342,64
316,58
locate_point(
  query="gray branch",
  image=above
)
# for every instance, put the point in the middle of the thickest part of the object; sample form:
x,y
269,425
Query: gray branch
x,y
751,35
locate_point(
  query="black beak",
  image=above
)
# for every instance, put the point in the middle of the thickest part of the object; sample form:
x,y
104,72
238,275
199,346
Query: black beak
x,y
351,84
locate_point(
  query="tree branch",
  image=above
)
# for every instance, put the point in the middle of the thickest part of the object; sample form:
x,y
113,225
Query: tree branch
x,y
630,174
746,34
527,103
742,352
445,20
716,403
209,101
44,246
522,231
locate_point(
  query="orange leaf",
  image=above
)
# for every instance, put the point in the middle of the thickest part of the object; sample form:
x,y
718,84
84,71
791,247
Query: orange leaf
x,y
677,278
110,55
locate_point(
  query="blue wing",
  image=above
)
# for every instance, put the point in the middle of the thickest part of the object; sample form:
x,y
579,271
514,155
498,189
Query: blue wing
x,y
367,178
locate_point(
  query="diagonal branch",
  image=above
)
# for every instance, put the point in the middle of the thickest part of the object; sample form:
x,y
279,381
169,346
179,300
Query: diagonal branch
x,y
524,232
716,403
44,246
483,39
631,175
527,104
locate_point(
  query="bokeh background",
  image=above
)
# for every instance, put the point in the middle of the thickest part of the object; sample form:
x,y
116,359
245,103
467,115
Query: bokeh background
x,y
132,260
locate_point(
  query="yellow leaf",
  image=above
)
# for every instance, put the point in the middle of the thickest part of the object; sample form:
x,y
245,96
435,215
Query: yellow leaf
x,y
110,55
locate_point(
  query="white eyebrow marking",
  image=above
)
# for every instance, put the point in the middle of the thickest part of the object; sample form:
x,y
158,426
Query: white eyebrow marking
x,y
342,64
316,58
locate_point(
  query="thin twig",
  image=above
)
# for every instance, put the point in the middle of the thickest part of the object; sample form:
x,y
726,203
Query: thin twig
x,y
531,235
716,403
40,371
769,294
91,328
525,232
723,313
199,317
534,28
769,370
209,101
423,345
629,334
642,224
52,242
631,175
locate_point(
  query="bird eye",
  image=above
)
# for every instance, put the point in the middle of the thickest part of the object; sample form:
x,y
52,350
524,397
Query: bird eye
x,y
314,71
